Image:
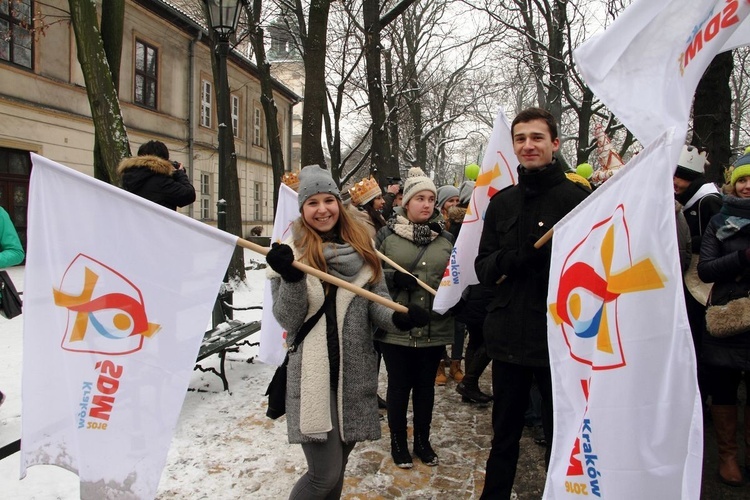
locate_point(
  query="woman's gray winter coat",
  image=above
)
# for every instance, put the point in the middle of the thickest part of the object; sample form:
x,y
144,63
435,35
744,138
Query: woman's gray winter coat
x,y
308,384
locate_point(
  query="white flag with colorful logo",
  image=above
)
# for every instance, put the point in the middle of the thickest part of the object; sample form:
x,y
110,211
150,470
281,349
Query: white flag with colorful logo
x,y
272,337
628,421
646,65
118,295
498,172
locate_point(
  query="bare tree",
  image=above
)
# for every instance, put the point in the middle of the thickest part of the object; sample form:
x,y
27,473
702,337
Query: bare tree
x,y
256,35
99,57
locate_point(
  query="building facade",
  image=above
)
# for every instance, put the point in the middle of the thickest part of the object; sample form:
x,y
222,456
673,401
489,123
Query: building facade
x,y
166,92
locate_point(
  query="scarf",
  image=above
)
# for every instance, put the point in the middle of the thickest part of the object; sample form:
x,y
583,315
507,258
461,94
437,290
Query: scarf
x,y
343,261
419,234
735,215
695,191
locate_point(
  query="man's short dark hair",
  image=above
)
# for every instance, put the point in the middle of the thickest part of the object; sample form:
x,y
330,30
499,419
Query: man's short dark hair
x,y
530,114
154,148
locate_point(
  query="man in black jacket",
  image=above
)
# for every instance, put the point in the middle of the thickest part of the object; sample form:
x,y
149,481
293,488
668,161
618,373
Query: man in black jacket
x,y
515,329
152,176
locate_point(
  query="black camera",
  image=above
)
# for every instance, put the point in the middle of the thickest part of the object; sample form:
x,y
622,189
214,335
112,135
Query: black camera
x,y
176,164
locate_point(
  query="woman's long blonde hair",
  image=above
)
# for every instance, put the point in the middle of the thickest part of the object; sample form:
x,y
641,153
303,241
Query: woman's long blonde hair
x,y
310,244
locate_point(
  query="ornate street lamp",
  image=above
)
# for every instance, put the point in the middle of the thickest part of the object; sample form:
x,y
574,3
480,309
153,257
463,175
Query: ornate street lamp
x,y
223,16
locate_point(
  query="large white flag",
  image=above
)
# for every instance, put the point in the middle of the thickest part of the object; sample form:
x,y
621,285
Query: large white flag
x,y
646,66
272,337
628,421
118,293
498,172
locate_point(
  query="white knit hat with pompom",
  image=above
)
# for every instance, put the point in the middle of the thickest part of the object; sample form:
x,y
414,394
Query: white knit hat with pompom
x,y
417,181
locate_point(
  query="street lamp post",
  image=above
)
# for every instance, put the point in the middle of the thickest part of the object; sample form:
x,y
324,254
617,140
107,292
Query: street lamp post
x,y
223,16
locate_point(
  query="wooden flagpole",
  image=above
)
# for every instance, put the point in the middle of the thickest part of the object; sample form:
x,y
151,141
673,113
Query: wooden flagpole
x,y
328,278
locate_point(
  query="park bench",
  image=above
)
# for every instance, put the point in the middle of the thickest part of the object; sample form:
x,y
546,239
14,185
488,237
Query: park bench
x,y
222,340
226,335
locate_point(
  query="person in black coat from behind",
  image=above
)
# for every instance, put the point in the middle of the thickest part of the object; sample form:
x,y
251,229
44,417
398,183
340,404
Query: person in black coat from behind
x,y
152,176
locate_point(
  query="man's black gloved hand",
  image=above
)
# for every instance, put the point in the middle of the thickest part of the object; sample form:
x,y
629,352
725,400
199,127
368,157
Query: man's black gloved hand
x,y
280,258
528,255
405,281
744,256
415,318
458,308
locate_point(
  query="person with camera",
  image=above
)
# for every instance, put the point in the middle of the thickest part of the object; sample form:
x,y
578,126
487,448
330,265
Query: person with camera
x,y
332,378
394,193
152,176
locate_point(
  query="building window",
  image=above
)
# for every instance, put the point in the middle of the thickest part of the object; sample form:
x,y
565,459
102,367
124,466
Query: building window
x,y
146,62
205,196
236,115
16,32
258,208
206,103
257,127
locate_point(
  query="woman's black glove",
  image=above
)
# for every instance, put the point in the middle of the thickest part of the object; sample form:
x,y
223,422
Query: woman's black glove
x,y
415,318
404,281
280,258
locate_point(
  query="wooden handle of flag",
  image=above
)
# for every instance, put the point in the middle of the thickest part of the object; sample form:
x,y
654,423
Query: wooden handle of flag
x,y
399,268
329,279
538,244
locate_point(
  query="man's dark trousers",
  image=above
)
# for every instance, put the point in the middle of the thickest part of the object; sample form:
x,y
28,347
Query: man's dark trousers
x,y
511,384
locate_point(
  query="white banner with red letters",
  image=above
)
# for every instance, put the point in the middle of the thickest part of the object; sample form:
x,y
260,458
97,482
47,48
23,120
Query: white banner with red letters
x,y
498,171
118,295
273,346
646,65
628,421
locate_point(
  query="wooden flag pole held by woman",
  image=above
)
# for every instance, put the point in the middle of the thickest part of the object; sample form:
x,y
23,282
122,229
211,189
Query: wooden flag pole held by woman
x,y
328,278
399,268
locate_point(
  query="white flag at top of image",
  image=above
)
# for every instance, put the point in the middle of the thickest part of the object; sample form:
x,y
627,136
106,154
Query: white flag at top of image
x,y
627,412
118,294
498,171
272,348
646,65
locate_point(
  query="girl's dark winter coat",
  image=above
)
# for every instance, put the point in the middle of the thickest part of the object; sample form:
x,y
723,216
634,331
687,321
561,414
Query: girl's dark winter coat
x,y
156,180
724,263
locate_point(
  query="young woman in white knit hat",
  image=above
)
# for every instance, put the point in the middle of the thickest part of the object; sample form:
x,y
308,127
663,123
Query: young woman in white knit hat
x,y
414,238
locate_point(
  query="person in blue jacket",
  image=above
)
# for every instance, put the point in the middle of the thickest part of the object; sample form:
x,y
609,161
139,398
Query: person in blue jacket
x,y
11,251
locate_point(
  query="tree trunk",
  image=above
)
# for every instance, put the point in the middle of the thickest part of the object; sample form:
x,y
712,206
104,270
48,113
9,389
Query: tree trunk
x,y
101,90
113,16
392,120
229,184
381,158
315,84
267,100
712,115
